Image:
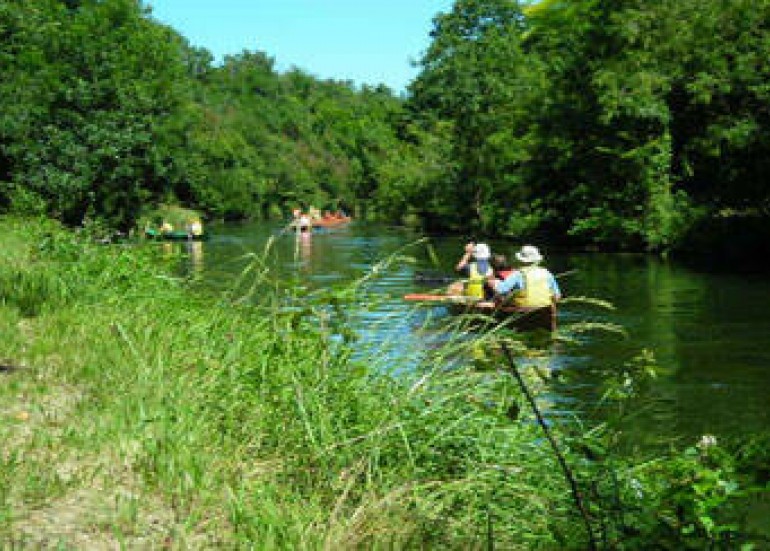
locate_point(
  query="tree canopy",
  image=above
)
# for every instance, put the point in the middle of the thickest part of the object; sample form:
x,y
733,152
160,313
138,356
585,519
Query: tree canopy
x,y
620,123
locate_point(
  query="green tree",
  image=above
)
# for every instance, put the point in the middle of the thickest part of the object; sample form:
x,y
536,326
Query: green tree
x,y
93,86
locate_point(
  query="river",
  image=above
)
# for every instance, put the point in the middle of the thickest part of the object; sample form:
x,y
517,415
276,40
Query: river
x,y
710,331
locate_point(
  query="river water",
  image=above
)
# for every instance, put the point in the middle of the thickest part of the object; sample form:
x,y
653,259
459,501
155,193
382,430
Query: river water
x,y
710,331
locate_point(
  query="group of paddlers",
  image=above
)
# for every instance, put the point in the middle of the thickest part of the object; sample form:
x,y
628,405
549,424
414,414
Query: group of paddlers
x,y
303,222
193,228
493,278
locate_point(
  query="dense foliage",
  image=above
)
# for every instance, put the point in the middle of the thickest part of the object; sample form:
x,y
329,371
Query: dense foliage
x,y
623,123
618,121
109,112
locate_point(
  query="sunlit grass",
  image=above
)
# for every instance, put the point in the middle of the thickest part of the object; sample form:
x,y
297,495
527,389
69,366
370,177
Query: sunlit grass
x,y
136,413
243,419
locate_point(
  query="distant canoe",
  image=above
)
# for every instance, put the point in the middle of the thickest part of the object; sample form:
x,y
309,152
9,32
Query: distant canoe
x,y
522,319
331,222
323,223
174,236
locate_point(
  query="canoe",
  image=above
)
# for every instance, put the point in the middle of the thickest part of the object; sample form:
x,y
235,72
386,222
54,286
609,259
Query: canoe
x,y
522,319
174,236
331,222
321,223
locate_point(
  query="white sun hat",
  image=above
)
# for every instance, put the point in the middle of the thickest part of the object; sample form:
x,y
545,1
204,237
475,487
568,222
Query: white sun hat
x,y
529,254
481,251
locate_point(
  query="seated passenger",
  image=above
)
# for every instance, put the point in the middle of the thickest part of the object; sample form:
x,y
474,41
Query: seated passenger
x,y
195,228
501,266
304,224
531,286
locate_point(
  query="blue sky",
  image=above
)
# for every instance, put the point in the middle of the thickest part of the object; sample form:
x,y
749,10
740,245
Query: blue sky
x,y
366,41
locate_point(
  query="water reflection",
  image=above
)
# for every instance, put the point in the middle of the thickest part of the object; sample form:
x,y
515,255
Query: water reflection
x,y
304,248
709,332
189,252
195,253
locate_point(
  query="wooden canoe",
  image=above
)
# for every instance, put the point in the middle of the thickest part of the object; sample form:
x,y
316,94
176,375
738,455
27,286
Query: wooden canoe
x,y
523,319
174,236
320,223
330,222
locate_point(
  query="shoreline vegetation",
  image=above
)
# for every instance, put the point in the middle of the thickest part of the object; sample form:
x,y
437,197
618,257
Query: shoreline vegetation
x,y
536,121
137,413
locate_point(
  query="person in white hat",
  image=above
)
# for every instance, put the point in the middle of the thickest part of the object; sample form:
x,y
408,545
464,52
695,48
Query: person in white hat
x,y
532,286
476,270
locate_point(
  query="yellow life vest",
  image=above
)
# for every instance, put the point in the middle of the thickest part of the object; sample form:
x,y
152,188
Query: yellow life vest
x,y
475,286
536,292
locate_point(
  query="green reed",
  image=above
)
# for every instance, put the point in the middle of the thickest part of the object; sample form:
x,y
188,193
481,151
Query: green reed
x,y
244,419
146,415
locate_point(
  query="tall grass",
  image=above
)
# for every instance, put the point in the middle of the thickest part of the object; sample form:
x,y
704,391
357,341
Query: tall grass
x,y
144,415
249,423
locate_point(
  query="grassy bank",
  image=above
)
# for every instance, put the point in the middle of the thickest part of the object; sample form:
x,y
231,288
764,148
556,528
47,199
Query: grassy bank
x,y
137,413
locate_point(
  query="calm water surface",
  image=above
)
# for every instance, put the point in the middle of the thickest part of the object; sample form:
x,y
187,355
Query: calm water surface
x,y
711,331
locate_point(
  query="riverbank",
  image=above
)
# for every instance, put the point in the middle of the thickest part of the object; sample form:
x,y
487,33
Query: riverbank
x,y
135,413
138,413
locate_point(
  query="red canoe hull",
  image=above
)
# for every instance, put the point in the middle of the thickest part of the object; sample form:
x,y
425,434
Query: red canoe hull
x,y
330,222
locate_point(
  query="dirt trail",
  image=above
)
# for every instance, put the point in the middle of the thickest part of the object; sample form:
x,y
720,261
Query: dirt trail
x,y
60,488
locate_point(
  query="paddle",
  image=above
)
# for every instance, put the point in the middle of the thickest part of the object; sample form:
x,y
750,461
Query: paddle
x,y
432,254
433,277
454,299
421,297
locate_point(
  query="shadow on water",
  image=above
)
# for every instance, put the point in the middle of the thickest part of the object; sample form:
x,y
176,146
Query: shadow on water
x,y
708,330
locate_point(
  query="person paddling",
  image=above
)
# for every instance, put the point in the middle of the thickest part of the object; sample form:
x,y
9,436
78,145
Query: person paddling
x,y
304,224
532,286
474,264
300,222
194,228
